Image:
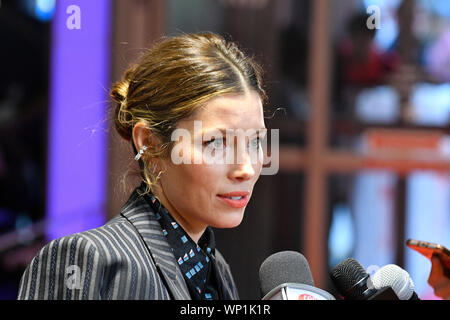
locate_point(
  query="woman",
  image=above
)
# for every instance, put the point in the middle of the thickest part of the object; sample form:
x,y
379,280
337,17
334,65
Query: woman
x,y
161,246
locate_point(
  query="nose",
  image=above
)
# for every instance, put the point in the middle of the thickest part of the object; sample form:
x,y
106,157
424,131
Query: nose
x,y
242,171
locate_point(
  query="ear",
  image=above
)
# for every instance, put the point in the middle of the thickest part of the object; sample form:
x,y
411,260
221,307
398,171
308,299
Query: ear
x,y
143,136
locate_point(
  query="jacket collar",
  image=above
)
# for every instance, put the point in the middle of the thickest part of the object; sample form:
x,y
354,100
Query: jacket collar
x,y
139,212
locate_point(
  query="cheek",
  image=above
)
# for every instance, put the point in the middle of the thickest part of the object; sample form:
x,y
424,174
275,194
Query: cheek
x,y
258,168
196,179
192,189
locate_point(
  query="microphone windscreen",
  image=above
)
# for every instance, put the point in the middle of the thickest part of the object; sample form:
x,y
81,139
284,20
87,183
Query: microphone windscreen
x,y
395,277
284,267
346,274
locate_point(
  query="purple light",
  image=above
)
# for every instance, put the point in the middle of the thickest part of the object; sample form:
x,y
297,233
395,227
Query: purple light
x,y
77,140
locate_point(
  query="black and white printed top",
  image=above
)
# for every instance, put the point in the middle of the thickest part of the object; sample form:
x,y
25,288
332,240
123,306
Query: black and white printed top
x,y
195,260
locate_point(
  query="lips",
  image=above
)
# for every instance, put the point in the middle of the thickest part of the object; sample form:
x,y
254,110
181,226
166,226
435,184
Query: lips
x,y
235,194
236,199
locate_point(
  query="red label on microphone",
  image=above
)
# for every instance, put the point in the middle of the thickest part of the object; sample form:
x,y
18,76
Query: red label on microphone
x,y
306,296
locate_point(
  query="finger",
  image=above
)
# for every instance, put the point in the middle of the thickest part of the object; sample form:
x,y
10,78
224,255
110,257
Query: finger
x,y
437,271
443,289
437,264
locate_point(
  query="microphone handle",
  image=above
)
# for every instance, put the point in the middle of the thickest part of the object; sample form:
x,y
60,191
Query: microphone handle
x,y
385,293
414,296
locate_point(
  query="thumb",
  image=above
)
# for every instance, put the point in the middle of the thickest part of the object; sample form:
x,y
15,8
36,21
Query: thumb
x,y
437,271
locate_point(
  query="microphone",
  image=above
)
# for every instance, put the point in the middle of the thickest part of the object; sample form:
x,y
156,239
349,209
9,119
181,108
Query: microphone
x,y
398,279
286,276
353,283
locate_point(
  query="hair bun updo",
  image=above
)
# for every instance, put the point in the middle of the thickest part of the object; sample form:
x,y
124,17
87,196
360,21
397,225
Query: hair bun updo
x,y
122,116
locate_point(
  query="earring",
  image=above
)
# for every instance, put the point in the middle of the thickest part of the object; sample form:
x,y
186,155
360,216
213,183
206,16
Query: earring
x,y
141,152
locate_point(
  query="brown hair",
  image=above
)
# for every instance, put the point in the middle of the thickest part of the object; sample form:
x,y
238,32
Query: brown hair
x,y
175,77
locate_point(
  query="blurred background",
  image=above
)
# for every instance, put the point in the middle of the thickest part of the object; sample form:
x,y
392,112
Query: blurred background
x,y
364,126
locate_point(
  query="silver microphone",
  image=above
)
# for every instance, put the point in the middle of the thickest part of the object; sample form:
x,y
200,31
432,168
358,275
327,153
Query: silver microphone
x,y
398,279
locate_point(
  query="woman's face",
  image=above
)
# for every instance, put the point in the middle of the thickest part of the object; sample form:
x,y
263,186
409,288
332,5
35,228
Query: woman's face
x,y
198,191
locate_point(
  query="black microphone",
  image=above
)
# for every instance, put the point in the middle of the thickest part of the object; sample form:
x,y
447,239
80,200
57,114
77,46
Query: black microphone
x,y
286,276
353,283
398,279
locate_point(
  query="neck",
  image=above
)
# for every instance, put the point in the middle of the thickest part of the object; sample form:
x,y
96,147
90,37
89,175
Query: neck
x,y
193,229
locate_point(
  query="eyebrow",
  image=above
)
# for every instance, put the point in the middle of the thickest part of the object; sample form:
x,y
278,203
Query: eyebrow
x,y
223,131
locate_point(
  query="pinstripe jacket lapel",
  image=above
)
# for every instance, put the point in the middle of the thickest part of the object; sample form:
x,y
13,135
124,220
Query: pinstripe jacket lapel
x,y
113,262
141,215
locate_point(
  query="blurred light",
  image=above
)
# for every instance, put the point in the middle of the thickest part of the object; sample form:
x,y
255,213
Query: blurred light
x,y
439,7
444,147
431,103
44,9
437,57
386,36
378,105
383,4
373,207
24,228
341,240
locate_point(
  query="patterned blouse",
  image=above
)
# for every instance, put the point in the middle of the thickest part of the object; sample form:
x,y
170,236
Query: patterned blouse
x,y
196,261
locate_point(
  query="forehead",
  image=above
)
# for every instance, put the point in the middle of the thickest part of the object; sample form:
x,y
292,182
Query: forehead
x,y
232,111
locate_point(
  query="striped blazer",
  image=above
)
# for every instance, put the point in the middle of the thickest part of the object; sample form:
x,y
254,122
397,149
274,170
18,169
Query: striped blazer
x,y
127,258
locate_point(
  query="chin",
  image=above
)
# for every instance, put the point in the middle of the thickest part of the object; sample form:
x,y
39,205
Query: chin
x,y
229,221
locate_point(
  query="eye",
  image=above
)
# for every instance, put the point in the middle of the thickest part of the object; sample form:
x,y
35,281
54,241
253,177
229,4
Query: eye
x,y
217,143
255,143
